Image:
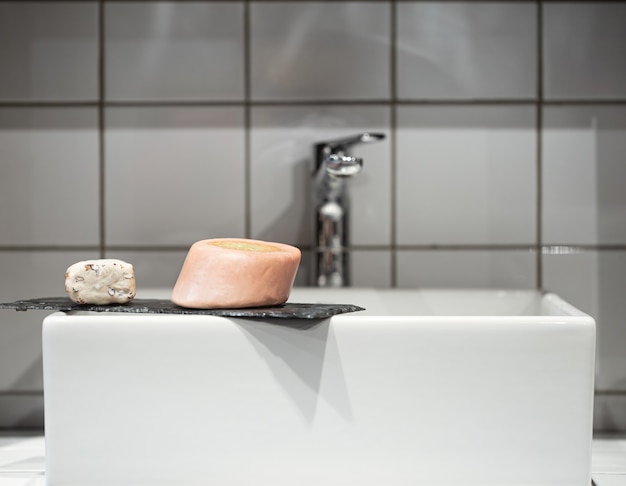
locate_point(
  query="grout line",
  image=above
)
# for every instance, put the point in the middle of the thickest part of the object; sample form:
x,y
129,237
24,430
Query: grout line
x,y
531,247
393,126
101,130
247,97
148,248
300,102
467,247
247,122
584,247
49,104
46,248
466,101
321,1
255,1
583,101
539,147
553,249
172,103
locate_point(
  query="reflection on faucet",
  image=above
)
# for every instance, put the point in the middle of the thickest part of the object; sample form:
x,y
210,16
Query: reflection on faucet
x,y
333,166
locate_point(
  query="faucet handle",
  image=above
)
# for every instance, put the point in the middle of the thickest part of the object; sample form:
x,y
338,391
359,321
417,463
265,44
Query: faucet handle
x,y
341,145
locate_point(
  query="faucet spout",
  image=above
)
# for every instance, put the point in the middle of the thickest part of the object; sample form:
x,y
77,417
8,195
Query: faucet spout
x,y
341,146
334,166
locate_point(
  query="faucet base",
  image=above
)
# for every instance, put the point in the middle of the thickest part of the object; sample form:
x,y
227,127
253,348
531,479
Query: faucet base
x,y
331,267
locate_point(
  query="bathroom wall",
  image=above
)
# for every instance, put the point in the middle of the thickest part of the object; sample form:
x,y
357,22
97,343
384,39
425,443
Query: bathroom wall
x,y
132,129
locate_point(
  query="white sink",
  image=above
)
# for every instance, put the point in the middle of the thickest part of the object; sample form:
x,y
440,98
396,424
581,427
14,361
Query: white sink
x,y
433,387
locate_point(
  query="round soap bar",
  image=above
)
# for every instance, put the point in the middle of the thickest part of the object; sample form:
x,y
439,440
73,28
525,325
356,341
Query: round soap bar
x,y
236,272
100,282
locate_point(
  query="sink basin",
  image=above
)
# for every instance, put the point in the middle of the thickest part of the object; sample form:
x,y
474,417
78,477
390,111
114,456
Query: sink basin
x,y
434,387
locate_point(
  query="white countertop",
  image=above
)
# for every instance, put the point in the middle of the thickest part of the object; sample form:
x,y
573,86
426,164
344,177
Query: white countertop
x,y
22,459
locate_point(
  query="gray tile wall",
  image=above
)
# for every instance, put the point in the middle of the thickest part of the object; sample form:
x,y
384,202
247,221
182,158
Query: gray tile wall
x,y
132,129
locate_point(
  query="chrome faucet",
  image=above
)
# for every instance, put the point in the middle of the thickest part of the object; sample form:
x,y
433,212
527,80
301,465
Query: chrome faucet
x,y
333,167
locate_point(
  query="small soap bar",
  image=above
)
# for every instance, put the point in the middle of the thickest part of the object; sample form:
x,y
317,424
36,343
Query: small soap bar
x,y
100,282
235,273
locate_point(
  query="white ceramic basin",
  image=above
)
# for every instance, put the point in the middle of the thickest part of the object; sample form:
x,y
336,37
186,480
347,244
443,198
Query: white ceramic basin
x,y
430,387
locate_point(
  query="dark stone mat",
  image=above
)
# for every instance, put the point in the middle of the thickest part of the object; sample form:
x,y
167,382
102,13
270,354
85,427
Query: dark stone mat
x,y
288,310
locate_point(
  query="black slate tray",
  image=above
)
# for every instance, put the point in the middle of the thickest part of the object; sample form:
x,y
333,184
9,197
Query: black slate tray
x,y
160,306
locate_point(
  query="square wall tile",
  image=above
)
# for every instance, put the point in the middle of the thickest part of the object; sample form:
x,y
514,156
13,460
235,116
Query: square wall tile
x,y
49,183
595,282
466,175
282,141
584,201
48,51
466,50
19,411
174,51
173,175
28,275
500,269
585,50
319,50
370,268
304,276
608,454
609,416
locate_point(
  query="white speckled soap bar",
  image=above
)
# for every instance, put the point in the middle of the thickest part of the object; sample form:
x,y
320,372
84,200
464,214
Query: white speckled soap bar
x,y
100,282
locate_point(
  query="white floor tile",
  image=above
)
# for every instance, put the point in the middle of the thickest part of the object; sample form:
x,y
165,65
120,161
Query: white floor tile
x,y
21,461
609,480
608,456
22,479
12,443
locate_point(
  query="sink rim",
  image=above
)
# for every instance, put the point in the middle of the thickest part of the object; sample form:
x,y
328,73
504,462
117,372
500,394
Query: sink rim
x,y
483,303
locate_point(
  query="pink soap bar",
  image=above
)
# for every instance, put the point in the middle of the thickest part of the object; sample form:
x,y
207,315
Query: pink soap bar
x,y
236,272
